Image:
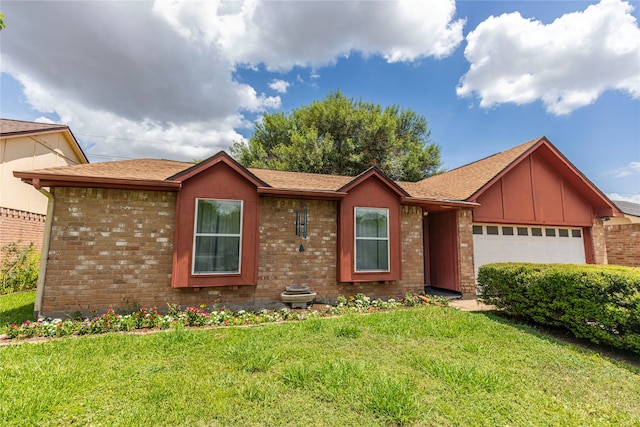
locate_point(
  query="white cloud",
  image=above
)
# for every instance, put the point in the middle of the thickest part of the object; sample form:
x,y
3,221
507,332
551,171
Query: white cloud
x,y
634,198
279,86
314,33
633,168
566,64
156,79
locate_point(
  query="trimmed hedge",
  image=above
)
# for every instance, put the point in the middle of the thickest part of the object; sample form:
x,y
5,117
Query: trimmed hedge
x,y
596,302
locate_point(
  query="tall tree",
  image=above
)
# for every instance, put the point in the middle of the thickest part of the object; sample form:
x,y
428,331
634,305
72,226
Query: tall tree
x,y
343,136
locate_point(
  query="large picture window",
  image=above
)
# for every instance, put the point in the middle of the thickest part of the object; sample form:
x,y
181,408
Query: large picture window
x,y
218,237
372,240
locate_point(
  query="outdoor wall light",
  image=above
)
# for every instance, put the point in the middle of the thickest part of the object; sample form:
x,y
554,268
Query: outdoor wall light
x,y
301,226
301,223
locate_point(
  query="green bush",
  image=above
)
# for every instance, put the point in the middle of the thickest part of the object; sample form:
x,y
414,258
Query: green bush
x,y
599,303
18,267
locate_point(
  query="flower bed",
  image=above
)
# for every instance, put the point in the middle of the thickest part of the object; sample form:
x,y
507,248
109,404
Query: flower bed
x,y
145,318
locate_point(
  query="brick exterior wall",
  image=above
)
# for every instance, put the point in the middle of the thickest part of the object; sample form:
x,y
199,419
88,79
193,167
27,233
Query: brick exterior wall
x,y
599,242
109,249
465,253
25,227
623,244
281,263
114,249
412,250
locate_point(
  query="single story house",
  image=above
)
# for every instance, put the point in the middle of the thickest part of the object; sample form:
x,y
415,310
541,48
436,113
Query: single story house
x,y
151,232
30,145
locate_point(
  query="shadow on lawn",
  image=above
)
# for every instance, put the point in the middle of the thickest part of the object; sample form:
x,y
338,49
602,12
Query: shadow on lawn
x,y
563,336
16,315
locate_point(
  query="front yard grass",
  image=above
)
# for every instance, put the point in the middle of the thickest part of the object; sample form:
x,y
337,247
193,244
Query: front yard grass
x,y
429,366
16,308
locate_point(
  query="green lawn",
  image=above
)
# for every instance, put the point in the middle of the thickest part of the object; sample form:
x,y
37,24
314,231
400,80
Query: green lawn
x,y
428,366
16,308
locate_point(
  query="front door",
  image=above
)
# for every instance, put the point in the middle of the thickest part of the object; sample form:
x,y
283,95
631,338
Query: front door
x,y
441,250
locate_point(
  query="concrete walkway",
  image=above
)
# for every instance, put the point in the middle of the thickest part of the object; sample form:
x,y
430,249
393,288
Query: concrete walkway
x,y
470,305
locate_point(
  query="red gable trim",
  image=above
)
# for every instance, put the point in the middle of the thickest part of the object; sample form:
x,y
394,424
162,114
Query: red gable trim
x,y
220,157
374,171
601,203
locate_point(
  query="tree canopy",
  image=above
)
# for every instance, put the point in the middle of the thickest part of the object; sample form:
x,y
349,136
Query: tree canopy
x,y
343,136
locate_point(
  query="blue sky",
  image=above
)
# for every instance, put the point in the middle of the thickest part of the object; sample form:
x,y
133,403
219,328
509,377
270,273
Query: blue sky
x,y
183,80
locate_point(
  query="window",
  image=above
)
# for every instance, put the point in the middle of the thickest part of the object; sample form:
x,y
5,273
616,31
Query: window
x,y
507,231
535,231
218,233
492,229
477,229
550,232
523,231
372,239
576,233
563,232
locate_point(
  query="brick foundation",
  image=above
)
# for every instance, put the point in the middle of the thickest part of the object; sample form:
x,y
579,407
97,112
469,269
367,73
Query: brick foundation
x,y
21,226
623,244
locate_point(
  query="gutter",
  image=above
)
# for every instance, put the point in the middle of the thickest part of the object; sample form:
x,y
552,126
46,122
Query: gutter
x,y
44,254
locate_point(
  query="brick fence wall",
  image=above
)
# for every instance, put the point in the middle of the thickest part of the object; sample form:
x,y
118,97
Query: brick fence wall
x,y
114,249
623,244
25,227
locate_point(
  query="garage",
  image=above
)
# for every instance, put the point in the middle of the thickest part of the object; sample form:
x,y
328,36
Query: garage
x,y
525,243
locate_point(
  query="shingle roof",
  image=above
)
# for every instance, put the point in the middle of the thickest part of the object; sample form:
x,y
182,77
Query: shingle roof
x,y
300,180
142,169
456,185
465,181
10,127
628,208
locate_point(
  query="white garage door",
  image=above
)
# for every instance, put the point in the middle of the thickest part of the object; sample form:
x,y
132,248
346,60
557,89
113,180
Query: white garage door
x,y
522,243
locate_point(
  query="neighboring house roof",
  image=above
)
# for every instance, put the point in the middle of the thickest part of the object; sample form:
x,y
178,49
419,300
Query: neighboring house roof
x,y
628,208
18,128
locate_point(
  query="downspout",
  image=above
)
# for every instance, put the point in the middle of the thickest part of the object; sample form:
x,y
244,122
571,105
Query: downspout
x,y
44,254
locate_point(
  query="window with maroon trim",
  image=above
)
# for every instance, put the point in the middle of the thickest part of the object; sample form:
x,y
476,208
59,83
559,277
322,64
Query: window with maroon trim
x,y
217,242
371,240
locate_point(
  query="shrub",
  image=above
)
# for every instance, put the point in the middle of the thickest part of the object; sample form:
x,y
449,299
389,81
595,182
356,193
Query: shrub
x,y
599,303
18,267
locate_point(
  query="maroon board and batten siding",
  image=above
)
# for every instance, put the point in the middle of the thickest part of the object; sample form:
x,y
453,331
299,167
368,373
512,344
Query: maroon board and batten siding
x,y
372,192
533,193
219,181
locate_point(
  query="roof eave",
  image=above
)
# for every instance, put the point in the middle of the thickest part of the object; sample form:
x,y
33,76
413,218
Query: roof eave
x,y
39,180
445,204
303,194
